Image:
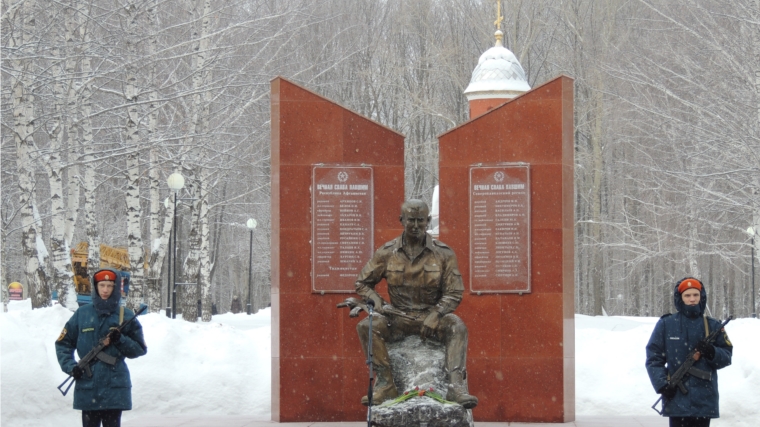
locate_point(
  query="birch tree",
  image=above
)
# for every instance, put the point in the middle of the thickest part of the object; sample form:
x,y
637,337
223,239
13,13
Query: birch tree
x,y
20,19
59,131
134,10
159,219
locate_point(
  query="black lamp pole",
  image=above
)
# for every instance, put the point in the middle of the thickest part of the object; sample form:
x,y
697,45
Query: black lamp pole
x,y
169,271
250,269
174,263
754,313
176,182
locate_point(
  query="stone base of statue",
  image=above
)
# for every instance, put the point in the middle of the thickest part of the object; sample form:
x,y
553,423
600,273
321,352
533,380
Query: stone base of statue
x,y
421,412
419,364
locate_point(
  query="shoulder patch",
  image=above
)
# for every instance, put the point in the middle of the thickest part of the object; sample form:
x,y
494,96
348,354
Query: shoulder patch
x,y
725,338
63,334
440,244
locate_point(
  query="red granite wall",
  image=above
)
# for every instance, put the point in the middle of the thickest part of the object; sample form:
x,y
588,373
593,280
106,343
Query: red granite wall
x,y
521,358
318,369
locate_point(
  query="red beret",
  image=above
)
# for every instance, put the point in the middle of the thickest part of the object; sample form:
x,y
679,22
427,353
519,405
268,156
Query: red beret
x,y
689,284
105,275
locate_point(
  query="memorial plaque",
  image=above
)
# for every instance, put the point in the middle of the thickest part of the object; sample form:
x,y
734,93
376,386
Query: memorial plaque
x,y
342,226
500,228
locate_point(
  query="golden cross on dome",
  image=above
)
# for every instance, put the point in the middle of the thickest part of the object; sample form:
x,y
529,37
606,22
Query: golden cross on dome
x,y
499,17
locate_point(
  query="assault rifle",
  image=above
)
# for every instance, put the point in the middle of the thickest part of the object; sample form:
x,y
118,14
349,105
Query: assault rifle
x,y
687,367
97,354
356,305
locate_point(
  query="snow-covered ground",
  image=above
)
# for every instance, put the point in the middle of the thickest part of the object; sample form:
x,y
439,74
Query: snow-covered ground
x,y
223,368
610,377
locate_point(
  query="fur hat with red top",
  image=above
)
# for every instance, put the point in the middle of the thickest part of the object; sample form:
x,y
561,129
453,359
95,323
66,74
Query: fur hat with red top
x,y
105,276
689,283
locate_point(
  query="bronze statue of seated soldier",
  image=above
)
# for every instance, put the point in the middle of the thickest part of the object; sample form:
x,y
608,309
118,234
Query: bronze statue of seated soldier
x,y
425,287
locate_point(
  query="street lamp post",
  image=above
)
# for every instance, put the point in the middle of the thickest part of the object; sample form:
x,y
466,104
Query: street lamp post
x,y
176,182
251,224
168,271
752,231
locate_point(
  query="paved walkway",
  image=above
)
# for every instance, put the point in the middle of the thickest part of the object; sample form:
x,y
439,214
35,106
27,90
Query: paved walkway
x,y
221,421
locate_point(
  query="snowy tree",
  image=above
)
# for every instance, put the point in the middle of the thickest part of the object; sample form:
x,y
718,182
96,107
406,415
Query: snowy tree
x,y
21,39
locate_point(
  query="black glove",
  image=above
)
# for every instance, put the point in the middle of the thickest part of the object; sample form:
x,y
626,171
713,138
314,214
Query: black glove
x,y
668,391
115,336
77,372
706,349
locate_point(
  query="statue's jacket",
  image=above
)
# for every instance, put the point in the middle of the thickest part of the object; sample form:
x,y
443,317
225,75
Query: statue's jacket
x,y
430,281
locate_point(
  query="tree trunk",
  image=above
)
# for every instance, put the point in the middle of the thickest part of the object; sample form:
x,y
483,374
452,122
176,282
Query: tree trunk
x,y
90,204
159,217
62,275
155,264
80,107
197,264
204,264
23,113
191,265
134,237
755,8
132,138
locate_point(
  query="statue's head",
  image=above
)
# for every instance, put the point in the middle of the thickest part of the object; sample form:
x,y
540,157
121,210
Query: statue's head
x,y
415,217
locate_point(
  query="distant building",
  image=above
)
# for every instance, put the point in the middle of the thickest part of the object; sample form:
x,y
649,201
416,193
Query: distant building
x,y
497,78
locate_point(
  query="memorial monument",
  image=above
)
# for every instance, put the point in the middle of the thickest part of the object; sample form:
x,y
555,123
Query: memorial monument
x,y
506,207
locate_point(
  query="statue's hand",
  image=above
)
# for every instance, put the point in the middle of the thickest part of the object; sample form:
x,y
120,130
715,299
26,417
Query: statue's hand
x,y
352,303
430,325
356,305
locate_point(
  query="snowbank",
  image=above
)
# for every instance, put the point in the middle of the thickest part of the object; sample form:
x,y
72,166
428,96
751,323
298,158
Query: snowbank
x,y
216,368
611,378
223,368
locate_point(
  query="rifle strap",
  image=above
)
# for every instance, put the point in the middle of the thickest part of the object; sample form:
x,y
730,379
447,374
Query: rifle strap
x,y
105,358
707,328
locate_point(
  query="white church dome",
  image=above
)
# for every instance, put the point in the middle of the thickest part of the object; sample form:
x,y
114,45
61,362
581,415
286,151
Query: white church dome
x,y
498,74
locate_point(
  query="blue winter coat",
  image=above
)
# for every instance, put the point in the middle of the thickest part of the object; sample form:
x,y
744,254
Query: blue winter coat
x,y
110,386
673,338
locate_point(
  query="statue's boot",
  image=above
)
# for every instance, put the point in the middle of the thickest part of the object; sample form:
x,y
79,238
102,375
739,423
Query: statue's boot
x,y
458,390
384,388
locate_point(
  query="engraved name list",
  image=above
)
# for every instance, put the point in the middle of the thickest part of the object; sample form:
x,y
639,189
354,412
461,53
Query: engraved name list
x,y
500,228
341,226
